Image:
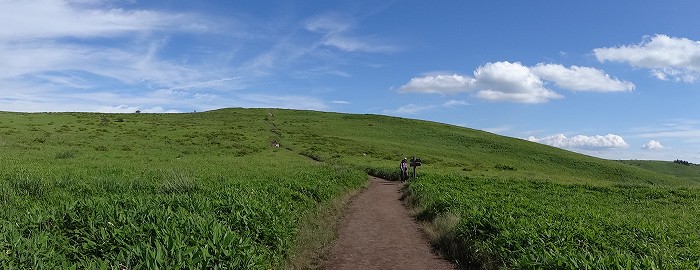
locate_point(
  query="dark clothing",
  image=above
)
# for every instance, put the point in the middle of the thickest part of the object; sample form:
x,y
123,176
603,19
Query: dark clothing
x,y
404,170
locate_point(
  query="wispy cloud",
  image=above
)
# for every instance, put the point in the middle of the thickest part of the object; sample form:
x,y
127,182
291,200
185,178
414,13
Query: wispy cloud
x,y
47,19
679,129
455,103
336,31
498,130
89,56
410,109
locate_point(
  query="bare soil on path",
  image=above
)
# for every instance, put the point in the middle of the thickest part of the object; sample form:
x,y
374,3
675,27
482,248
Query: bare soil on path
x,y
377,232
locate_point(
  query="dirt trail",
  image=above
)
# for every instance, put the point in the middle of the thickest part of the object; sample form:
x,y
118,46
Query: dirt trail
x,y
378,233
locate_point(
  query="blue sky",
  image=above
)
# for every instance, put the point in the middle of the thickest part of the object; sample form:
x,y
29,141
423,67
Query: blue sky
x,y
613,79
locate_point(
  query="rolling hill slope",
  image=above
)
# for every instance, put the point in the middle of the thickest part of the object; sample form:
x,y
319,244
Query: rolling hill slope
x,y
147,190
382,141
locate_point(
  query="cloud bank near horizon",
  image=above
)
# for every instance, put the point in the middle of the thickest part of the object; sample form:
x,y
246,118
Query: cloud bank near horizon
x,y
583,142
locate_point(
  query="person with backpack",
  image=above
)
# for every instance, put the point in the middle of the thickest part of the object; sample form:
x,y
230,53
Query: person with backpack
x,y
404,170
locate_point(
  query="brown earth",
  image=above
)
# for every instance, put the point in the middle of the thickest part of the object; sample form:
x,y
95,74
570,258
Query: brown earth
x,y
378,233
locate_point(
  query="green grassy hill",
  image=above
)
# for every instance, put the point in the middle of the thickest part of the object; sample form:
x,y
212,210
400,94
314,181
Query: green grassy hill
x,y
687,172
373,140
211,189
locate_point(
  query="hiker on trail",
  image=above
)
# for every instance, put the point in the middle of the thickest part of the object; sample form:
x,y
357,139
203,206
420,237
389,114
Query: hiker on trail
x,y
404,170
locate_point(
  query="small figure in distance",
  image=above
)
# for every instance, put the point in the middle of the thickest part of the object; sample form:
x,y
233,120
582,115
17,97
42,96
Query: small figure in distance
x,y
404,170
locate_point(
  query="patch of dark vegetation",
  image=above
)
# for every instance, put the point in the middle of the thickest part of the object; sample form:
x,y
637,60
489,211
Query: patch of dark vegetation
x,y
104,121
65,154
504,167
683,162
311,155
391,175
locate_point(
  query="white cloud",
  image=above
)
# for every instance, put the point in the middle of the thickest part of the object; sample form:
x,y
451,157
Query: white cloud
x,y
163,100
685,130
677,58
581,78
442,84
277,101
499,81
597,142
87,56
46,19
328,23
336,34
342,102
498,130
131,109
506,81
514,82
653,145
414,109
409,109
61,37
357,44
454,103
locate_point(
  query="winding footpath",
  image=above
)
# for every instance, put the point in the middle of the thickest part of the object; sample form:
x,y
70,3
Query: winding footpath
x,y
378,233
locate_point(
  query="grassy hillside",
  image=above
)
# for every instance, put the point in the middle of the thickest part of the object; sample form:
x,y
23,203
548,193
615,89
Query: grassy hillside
x,y
372,140
687,172
211,189
147,191
495,202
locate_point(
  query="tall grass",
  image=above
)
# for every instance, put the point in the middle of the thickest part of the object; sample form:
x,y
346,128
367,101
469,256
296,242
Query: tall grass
x,y
212,190
194,191
493,202
520,224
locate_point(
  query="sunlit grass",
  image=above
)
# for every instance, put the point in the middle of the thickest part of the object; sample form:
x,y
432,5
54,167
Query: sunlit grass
x,y
207,190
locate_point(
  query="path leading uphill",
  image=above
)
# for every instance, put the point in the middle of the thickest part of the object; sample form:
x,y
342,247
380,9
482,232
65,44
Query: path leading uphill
x,y
378,233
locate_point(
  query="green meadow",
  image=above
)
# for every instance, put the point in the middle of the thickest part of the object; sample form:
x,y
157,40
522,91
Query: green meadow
x,y
212,190
145,191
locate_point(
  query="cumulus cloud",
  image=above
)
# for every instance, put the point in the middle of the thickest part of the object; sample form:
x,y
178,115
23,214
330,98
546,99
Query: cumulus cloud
x,y
666,57
514,82
581,78
506,81
597,142
441,84
653,145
